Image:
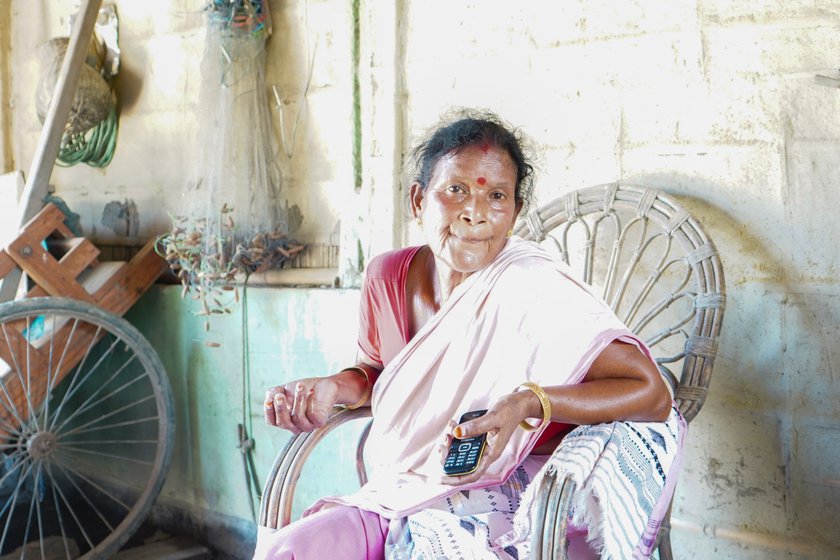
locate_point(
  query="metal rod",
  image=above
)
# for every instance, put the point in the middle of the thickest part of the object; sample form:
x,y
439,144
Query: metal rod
x,y
38,178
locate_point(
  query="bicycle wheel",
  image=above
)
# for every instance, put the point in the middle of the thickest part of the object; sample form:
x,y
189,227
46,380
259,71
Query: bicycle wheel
x,y
86,427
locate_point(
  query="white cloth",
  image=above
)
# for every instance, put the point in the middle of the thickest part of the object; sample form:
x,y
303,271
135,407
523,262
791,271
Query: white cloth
x,y
521,318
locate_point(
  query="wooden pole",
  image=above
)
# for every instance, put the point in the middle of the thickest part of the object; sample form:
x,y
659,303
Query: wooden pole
x,y
46,152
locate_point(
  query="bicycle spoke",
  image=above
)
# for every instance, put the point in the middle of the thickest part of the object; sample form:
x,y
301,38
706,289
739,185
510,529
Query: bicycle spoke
x,y
58,515
95,366
75,376
32,414
14,409
10,429
29,517
49,371
16,467
66,467
102,454
87,375
38,512
110,414
109,426
58,370
107,441
86,499
73,514
85,406
11,505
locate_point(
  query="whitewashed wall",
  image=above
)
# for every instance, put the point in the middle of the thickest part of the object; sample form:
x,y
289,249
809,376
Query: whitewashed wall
x,y
714,101
162,43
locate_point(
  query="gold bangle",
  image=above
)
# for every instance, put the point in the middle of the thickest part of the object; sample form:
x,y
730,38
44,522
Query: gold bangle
x,y
366,394
546,405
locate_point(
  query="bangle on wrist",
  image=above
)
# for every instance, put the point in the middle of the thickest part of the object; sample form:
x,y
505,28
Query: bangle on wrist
x,y
365,395
546,405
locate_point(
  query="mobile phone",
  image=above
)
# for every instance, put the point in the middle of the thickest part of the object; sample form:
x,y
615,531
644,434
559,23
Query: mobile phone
x,y
464,454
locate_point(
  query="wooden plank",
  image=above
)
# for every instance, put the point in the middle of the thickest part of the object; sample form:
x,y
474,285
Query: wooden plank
x,y
45,270
44,223
143,270
27,369
67,353
104,278
80,256
7,264
174,548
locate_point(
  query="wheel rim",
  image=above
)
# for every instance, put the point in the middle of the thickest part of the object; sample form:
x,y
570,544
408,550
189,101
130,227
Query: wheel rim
x,y
85,426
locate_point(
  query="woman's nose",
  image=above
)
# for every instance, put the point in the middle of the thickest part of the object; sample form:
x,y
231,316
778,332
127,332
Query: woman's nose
x,y
474,210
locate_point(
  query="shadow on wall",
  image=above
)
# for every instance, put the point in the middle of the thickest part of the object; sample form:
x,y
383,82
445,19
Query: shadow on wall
x,y
765,467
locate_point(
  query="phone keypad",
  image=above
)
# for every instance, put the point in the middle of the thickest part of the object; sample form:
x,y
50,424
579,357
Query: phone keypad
x,y
466,453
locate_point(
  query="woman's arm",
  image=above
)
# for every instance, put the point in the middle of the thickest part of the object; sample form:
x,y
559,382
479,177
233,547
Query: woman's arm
x,y
305,405
621,384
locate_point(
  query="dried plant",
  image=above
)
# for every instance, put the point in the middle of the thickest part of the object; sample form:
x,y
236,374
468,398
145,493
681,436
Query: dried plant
x,y
210,259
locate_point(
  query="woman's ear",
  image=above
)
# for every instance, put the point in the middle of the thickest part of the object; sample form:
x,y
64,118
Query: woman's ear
x,y
415,195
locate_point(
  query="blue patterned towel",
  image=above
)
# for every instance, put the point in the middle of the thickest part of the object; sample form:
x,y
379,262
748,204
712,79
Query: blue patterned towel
x,y
625,474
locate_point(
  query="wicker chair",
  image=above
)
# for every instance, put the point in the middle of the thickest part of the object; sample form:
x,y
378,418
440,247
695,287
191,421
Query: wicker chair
x,y
655,266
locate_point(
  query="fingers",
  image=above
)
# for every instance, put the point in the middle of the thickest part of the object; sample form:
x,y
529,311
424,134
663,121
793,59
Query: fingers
x,y
481,425
446,441
282,412
270,413
319,407
300,406
299,402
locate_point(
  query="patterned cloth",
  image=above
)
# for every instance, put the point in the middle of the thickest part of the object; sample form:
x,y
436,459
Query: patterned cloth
x,y
625,474
466,525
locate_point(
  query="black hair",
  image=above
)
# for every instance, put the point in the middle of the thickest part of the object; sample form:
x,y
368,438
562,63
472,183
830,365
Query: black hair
x,y
473,128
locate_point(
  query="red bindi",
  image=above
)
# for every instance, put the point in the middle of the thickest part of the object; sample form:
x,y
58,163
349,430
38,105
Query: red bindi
x,y
481,180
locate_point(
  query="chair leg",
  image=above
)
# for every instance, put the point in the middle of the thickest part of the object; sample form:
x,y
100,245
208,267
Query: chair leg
x,y
664,537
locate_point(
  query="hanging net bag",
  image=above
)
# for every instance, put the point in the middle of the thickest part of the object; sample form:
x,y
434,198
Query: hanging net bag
x,y
233,225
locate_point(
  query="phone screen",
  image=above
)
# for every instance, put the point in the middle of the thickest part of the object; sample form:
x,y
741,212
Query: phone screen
x,y
464,454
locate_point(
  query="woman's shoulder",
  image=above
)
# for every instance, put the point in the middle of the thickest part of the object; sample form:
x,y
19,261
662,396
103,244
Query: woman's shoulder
x,y
540,269
388,265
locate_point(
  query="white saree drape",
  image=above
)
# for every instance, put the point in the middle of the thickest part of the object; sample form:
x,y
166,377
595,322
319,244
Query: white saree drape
x,y
521,318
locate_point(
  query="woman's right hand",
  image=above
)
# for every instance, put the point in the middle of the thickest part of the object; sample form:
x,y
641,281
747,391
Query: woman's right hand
x,y
301,406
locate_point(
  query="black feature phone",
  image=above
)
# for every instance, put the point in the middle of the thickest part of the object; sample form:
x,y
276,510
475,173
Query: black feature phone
x,y
464,454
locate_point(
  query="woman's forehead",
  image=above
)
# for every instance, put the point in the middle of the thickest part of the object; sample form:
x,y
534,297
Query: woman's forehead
x,y
482,160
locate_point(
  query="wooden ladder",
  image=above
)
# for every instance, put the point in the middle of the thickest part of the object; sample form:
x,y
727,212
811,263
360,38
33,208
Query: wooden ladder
x,y
61,265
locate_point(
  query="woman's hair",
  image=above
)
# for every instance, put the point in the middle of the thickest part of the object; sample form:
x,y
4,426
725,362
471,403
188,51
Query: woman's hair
x,y
475,128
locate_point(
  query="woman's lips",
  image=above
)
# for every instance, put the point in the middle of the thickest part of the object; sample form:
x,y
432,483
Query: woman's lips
x,y
472,239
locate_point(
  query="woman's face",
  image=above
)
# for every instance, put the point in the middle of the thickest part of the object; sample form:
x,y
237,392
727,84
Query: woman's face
x,y
468,207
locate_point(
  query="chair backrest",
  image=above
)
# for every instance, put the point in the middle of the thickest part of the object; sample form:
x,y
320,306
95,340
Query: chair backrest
x,y
645,255
653,264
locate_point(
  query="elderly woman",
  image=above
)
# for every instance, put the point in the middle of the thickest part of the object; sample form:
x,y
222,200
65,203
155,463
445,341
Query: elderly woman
x,y
474,320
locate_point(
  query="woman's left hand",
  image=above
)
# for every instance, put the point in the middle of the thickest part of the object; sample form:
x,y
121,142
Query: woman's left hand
x,y
502,419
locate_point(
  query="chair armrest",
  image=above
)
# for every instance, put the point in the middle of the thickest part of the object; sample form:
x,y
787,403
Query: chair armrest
x,y
551,517
279,489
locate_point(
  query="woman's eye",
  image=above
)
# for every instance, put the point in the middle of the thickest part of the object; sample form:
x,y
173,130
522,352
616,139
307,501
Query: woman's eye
x,y
498,196
455,188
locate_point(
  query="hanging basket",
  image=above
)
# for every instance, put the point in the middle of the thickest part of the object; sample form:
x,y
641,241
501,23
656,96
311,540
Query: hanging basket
x,y
93,100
